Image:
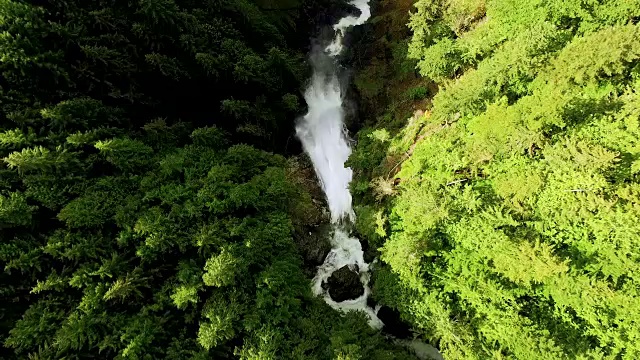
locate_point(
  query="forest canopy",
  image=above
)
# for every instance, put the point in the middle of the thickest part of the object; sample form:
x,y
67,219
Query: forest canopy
x,y
506,211
151,208
146,210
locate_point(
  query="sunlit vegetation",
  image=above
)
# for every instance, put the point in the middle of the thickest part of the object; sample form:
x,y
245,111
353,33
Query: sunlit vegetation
x,y
507,214
148,210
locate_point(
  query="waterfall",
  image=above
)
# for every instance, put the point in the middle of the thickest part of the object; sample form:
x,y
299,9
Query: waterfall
x,y
324,138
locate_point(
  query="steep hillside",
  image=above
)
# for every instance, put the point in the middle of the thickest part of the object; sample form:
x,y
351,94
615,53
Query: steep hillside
x,y
506,210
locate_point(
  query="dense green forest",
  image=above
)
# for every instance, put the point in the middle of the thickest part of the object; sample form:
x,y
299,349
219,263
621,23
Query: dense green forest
x,y
144,210
506,209
153,200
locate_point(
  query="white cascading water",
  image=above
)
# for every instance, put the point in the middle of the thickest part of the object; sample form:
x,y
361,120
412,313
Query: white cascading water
x,y
323,136
335,48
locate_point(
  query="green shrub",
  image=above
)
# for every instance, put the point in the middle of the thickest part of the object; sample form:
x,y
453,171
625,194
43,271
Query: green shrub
x,y
418,93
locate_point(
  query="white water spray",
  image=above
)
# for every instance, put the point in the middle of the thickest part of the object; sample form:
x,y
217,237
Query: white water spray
x,y
323,136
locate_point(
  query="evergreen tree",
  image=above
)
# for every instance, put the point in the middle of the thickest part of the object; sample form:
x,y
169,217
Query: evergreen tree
x,y
142,215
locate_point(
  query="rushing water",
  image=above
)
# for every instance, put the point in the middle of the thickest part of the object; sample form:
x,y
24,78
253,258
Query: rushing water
x,y
335,48
324,138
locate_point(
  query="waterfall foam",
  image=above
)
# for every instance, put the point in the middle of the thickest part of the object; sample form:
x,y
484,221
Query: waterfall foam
x,y
324,138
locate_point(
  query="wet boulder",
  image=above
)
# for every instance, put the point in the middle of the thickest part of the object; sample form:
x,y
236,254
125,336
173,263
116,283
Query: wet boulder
x,y
393,324
344,284
315,245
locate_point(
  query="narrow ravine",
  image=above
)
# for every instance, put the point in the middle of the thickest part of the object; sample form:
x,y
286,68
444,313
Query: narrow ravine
x,y
324,138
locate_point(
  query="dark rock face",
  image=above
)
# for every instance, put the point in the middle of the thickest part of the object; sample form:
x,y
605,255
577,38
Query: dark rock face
x,y
314,245
370,253
371,303
393,324
344,284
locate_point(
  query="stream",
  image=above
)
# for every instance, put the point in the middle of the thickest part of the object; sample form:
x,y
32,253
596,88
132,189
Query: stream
x,y
324,138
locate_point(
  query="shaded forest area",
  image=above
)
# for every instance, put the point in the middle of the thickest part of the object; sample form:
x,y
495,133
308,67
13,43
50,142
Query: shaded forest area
x,y
146,210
